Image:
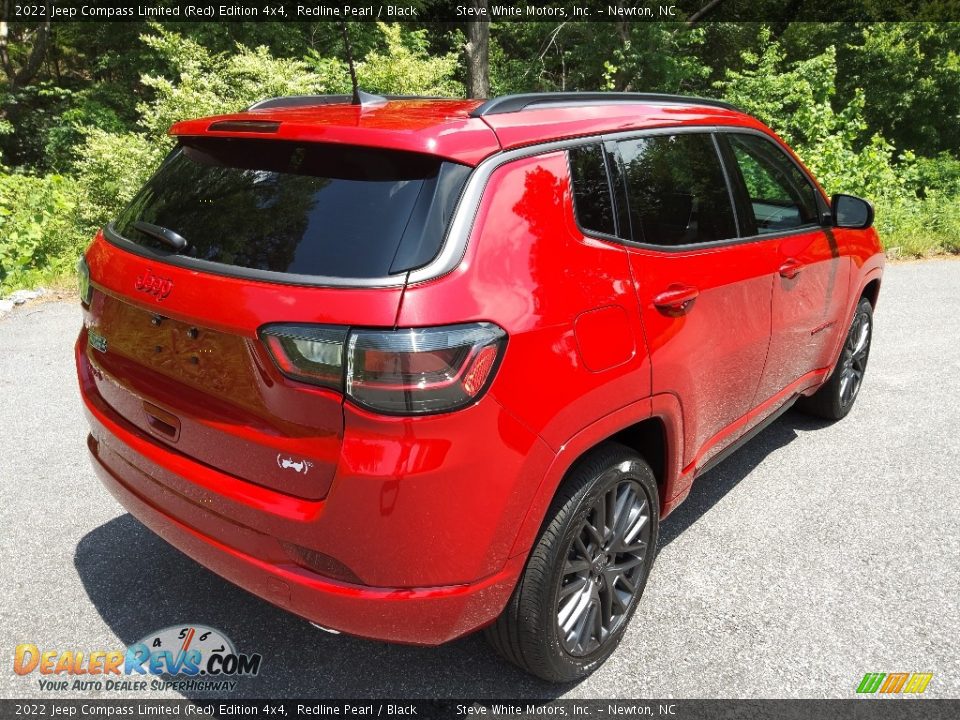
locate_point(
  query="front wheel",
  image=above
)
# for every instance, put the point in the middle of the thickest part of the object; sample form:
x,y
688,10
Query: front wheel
x,y
587,571
835,399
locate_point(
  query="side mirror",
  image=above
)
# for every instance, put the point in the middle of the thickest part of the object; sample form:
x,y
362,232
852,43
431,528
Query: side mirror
x,y
849,211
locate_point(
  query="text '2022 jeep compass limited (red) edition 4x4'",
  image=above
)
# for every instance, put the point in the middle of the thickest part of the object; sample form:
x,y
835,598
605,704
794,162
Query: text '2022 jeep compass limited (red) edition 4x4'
x,y
414,367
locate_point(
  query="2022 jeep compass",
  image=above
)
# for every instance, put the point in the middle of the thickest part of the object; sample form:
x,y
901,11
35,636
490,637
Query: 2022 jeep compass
x,y
415,367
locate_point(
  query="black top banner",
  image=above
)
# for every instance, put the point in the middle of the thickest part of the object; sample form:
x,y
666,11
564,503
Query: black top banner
x,y
615,11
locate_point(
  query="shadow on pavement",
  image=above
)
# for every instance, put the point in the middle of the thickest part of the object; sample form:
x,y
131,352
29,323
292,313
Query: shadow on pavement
x,y
140,584
713,485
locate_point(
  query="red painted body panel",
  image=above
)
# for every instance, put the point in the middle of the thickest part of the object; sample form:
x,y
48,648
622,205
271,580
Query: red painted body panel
x,y
415,529
531,270
711,355
808,309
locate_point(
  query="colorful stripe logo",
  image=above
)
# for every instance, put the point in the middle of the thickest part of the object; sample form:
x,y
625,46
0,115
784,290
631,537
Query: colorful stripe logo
x,y
891,683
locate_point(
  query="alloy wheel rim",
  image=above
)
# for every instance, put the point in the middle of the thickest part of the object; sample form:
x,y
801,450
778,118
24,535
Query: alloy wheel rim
x,y
603,568
856,349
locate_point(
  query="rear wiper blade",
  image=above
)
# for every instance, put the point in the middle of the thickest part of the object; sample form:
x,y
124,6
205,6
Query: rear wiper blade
x,y
174,239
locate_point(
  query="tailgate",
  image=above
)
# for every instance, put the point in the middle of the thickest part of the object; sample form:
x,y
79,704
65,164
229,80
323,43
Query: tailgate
x,y
190,371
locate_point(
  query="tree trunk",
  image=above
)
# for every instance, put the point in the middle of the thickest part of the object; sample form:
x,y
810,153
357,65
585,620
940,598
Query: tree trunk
x,y
41,39
4,49
37,54
477,51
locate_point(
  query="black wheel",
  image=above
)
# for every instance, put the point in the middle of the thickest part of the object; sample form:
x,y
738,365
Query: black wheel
x,y
834,400
587,571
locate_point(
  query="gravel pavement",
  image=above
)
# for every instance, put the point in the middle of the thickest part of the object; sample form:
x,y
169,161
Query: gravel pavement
x,y
815,554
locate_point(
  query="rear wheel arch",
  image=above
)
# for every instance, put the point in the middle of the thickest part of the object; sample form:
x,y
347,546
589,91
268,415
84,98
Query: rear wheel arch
x,y
647,438
650,437
871,291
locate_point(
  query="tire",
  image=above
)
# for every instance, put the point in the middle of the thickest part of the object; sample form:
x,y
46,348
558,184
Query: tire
x,y
836,397
595,603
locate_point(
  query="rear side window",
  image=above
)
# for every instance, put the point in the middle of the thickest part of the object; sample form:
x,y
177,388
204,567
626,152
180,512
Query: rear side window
x,y
780,196
592,201
298,208
676,190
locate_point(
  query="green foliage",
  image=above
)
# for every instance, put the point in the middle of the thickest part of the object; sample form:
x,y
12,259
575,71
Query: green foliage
x,y
36,236
914,227
871,108
640,56
917,198
940,173
87,110
795,100
111,168
406,67
915,68
200,83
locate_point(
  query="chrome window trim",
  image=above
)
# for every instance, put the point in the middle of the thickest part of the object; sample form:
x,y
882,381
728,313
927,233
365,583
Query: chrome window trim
x,y
268,276
464,217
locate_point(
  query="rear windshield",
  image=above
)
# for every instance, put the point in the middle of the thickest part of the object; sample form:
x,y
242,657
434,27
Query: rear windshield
x,y
297,208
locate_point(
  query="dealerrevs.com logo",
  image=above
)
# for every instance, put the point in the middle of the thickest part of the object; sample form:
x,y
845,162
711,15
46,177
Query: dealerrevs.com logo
x,y
180,657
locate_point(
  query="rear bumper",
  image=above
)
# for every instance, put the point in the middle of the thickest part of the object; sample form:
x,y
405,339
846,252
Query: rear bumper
x,y
422,616
242,532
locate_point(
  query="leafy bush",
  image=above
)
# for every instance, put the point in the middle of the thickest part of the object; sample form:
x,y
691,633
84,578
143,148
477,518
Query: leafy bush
x,y
795,100
63,139
940,173
111,169
917,199
914,227
201,83
37,239
405,67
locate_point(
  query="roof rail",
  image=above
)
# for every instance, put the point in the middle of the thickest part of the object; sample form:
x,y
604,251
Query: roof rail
x,y
291,101
516,103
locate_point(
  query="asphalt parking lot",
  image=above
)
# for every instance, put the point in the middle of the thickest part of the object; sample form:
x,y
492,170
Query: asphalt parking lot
x,y
814,555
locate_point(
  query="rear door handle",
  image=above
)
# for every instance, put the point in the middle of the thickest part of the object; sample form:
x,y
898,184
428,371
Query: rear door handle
x,y
790,268
676,298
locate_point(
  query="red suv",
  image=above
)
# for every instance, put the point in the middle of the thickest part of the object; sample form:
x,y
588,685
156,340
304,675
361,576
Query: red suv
x,y
415,367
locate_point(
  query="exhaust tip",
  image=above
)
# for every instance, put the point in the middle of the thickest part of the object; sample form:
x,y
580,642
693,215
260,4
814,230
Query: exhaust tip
x,y
326,629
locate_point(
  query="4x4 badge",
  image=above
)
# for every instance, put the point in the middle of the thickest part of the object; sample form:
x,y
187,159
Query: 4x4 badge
x,y
154,284
286,462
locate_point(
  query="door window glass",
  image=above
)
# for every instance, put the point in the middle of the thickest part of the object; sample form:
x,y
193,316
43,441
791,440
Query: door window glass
x,y
676,190
780,196
591,191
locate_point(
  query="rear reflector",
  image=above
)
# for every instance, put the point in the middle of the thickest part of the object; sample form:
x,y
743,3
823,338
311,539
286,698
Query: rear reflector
x,y
320,563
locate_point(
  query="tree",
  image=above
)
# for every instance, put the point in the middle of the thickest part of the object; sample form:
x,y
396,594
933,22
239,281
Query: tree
x,y
477,51
38,39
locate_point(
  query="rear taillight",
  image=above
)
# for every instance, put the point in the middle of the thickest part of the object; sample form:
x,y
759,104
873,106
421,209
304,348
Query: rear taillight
x,y
312,353
413,371
83,281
